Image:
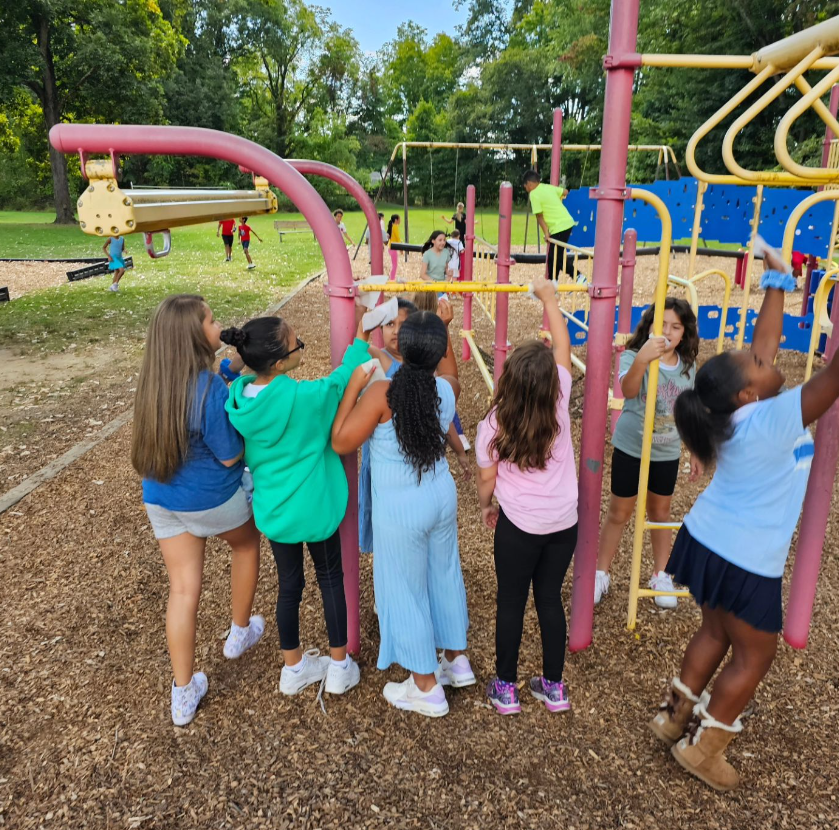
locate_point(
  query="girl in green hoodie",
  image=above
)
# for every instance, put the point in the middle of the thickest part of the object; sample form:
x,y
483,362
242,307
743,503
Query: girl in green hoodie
x,y
300,488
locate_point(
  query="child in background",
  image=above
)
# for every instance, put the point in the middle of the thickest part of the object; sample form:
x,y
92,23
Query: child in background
x,y
300,489
114,248
427,301
418,582
227,227
458,219
676,353
245,231
547,204
526,458
732,548
436,258
339,221
798,260
457,250
190,458
393,235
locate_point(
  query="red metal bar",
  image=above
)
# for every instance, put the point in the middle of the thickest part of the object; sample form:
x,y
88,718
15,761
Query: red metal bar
x,y
468,264
556,169
623,34
502,267
805,572
196,141
630,240
738,269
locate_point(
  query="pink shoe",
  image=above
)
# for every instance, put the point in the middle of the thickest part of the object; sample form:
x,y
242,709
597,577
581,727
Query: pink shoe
x,y
504,697
553,695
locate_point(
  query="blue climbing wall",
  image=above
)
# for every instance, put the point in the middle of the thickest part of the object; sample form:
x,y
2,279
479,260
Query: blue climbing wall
x,y
726,217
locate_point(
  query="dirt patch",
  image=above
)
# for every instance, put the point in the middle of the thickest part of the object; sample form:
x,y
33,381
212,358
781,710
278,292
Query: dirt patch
x,y
86,738
23,277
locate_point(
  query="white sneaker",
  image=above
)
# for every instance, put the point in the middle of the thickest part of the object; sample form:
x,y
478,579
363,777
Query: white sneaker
x,y
602,582
114,286
311,669
241,639
465,441
185,699
407,696
251,266
456,674
663,582
340,679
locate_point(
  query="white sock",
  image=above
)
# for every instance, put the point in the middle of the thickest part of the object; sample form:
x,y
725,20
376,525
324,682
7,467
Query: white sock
x,y
300,666
236,629
341,663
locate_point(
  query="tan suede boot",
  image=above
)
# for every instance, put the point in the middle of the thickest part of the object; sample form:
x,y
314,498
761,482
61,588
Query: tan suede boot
x,y
702,755
675,712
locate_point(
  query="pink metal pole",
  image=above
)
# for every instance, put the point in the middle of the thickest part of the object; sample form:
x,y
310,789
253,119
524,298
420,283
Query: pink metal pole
x,y
556,168
502,270
335,174
805,573
468,264
630,239
620,66
196,141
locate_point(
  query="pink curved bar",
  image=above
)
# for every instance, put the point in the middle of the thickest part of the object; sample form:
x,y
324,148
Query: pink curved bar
x,y
196,141
335,174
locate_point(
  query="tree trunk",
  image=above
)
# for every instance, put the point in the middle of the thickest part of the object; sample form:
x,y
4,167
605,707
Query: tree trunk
x,y
52,115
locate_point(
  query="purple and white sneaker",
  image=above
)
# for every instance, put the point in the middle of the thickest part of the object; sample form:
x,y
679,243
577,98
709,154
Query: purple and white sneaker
x,y
504,697
456,674
407,696
553,695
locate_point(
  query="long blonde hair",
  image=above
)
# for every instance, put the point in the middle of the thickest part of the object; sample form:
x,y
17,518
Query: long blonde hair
x,y
177,351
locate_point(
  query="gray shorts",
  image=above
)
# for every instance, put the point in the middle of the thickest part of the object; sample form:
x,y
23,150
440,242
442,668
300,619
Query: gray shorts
x,y
201,523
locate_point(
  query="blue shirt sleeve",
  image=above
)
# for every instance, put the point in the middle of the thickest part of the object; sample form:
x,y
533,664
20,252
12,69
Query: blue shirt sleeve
x,y
779,421
216,430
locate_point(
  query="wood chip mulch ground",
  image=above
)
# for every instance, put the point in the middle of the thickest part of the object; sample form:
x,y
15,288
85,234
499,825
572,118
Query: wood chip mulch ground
x,y
86,739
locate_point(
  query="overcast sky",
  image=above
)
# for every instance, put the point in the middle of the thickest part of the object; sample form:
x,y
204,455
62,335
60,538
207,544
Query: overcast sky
x,y
374,22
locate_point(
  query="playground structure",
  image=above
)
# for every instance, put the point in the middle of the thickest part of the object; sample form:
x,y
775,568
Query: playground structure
x,y
163,209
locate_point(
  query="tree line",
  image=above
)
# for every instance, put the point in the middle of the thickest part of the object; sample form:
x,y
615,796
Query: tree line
x,y
286,75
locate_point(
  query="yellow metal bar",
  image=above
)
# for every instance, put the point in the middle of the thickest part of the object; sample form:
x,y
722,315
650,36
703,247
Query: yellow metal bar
x,y
662,525
468,336
465,287
747,273
818,105
773,176
726,299
648,592
798,211
720,115
572,319
815,174
821,322
785,53
693,298
649,411
698,61
697,224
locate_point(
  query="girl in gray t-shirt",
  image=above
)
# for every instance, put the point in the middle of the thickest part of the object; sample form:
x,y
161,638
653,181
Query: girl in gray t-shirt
x,y
676,352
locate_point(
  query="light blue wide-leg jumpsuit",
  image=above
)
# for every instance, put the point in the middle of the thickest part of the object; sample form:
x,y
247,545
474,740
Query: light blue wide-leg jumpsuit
x,y
419,587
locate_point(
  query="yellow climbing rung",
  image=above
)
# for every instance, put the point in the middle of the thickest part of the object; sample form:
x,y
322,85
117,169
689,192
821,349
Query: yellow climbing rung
x,y
464,287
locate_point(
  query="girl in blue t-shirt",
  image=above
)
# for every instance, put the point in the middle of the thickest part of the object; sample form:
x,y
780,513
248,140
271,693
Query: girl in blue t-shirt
x,y
190,458
734,543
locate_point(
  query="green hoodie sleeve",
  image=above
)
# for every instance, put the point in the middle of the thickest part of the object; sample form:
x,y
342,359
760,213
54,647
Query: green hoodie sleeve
x,y
326,393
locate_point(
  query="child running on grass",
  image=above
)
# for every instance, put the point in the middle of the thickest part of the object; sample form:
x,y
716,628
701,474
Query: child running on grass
x,y
114,248
676,352
245,231
526,459
734,543
418,582
227,227
300,488
190,458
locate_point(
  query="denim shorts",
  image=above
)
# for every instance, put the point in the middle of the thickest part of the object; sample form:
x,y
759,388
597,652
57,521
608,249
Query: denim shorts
x,y
201,523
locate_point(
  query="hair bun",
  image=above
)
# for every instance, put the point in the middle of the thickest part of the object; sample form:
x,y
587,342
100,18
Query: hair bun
x,y
234,337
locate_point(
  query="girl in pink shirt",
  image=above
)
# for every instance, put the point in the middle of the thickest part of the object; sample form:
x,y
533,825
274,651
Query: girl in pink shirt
x,y
526,460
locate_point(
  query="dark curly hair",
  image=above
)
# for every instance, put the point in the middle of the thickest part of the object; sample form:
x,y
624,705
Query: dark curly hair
x,y
688,349
412,394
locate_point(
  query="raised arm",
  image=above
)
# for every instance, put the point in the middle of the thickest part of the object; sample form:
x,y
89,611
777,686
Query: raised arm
x,y
446,219
561,341
819,393
448,365
356,420
770,321
652,350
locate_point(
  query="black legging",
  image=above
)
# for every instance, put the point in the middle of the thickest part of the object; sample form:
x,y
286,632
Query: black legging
x,y
326,557
522,558
558,251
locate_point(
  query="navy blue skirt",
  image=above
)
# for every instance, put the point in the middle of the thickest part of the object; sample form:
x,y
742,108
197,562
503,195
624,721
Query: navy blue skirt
x,y
717,583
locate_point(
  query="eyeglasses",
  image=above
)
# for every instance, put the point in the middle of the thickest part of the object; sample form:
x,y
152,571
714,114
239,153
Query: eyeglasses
x,y
300,346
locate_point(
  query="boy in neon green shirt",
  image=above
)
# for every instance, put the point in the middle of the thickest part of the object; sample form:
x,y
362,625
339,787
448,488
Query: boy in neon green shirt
x,y
546,202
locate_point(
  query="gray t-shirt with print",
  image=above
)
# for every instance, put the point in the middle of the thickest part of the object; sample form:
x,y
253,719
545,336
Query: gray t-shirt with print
x,y
629,432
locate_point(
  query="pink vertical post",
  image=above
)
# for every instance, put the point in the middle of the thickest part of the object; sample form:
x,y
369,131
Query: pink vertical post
x,y
630,240
620,65
502,270
197,141
556,169
468,265
805,573
739,269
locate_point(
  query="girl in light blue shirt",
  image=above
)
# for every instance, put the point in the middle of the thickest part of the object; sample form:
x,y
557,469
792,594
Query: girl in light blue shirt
x,y
734,542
